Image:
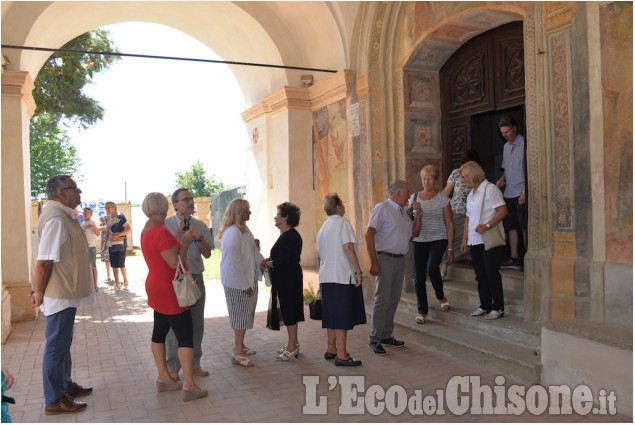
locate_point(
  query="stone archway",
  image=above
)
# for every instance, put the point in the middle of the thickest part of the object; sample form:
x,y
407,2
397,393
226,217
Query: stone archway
x,y
263,33
419,122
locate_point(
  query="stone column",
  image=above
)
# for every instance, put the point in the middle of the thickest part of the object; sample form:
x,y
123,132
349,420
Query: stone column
x,y
284,120
17,108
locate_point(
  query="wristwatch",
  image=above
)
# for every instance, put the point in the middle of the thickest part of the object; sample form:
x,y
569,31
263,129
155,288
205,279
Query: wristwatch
x,y
487,225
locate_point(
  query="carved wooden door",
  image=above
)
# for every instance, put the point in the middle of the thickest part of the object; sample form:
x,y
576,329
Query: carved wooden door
x,y
485,78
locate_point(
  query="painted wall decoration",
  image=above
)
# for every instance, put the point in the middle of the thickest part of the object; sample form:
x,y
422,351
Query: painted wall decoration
x,y
617,87
329,139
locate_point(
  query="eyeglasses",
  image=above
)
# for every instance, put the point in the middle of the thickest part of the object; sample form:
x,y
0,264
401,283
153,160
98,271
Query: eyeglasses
x,y
186,199
70,187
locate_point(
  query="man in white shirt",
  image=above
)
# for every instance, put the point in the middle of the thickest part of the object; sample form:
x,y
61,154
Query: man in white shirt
x,y
62,283
92,232
387,241
183,203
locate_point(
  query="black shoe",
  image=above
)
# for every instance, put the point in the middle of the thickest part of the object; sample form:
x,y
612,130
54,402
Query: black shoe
x,y
393,342
377,348
348,362
329,356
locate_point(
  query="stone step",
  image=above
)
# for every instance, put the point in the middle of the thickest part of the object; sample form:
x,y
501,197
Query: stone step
x,y
514,361
510,328
463,271
466,293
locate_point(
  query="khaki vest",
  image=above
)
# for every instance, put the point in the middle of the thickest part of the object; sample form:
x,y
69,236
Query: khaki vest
x,y
71,277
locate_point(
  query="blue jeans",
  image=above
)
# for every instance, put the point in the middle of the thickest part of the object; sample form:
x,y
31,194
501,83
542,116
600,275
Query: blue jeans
x,y
427,257
56,365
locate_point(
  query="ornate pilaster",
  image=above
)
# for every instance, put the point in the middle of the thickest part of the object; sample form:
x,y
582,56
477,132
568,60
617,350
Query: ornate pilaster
x,y
17,108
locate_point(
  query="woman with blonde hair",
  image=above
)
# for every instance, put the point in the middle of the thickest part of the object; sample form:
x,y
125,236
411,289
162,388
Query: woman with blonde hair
x,y
433,232
239,270
486,209
161,251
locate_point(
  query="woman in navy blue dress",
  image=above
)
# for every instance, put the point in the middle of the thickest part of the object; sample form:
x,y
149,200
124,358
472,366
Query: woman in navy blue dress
x,y
286,304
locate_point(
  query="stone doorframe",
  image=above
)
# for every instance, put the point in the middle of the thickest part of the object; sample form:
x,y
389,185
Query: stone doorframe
x,y
428,53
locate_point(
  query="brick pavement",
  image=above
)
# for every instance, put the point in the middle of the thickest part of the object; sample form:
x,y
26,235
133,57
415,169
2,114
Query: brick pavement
x,y
111,352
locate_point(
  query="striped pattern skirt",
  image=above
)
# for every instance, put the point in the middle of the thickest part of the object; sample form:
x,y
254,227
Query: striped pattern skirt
x,y
241,307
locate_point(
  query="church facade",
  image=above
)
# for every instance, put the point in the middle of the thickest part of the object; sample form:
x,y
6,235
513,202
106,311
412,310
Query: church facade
x,y
403,85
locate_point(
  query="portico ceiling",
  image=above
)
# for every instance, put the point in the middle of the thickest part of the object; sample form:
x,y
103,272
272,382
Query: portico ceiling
x,y
308,34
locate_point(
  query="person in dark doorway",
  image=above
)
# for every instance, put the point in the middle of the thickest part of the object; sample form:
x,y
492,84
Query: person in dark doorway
x,y
513,178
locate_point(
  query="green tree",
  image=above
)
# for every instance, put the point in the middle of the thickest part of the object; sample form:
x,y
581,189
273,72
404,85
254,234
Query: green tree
x,y
198,183
61,102
59,84
52,153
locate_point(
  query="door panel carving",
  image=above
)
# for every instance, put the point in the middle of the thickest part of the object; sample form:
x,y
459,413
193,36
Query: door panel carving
x,y
485,75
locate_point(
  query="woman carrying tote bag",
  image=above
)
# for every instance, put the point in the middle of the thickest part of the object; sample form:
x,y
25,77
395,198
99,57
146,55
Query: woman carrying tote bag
x,y
485,210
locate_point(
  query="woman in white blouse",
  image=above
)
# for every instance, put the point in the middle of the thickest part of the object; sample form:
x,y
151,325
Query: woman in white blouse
x,y
240,271
485,210
340,278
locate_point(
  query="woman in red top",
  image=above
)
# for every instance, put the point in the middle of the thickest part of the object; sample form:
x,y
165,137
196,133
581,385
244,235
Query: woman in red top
x,y
160,251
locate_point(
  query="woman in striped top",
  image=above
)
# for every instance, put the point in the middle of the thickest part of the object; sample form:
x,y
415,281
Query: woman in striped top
x,y
433,232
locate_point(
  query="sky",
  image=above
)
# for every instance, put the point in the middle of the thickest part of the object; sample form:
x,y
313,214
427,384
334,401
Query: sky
x,y
161,116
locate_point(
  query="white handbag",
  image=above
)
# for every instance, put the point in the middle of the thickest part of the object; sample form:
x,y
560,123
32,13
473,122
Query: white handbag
x,y
185,288
267,277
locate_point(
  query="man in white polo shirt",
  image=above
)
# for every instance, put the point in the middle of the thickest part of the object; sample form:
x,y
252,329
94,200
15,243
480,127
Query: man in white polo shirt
x,y
388,240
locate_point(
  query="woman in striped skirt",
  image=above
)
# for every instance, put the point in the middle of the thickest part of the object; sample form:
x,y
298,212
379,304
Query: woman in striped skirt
x,y
239,270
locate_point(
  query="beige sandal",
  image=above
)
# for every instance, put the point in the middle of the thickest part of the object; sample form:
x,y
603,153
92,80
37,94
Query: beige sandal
x,y
286,355
248,351
445,305
241,360
420,319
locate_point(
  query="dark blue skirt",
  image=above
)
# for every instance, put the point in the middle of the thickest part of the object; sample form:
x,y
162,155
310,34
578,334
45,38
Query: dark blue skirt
x,y
342,306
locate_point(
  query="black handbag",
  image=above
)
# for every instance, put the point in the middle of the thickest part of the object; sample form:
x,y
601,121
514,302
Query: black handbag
x,y
315,309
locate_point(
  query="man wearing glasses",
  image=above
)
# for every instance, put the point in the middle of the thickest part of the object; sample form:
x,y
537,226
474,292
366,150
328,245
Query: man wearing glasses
x,y
63,282
183,203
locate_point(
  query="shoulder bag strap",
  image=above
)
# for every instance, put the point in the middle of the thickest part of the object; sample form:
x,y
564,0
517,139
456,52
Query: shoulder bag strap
x,y
483,203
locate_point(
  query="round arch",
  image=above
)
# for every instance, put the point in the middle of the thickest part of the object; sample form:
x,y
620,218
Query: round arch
x,y
310,34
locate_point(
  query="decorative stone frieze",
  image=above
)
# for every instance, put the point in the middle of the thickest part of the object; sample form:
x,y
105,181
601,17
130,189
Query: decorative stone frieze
x,y
558,16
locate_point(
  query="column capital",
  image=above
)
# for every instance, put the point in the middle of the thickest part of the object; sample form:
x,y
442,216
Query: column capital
x,y
558,16
19,84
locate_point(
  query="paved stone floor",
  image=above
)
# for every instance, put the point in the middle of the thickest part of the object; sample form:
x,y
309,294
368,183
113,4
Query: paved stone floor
x,y
111,352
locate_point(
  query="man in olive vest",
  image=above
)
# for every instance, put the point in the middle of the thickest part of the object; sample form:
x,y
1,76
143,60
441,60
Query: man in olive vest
x,y
63,282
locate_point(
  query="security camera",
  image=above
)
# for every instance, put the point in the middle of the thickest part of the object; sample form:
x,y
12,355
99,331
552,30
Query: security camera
x,y
307,80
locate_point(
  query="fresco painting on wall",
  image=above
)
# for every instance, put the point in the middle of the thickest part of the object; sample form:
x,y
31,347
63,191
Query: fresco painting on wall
x,y
329,140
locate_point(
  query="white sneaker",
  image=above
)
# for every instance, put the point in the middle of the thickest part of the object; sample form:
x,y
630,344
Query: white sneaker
x,y
494,314
478,312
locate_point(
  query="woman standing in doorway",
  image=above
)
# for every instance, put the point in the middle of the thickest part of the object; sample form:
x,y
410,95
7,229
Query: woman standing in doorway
x,y
433,232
